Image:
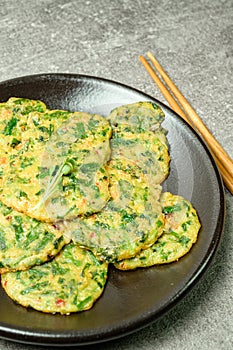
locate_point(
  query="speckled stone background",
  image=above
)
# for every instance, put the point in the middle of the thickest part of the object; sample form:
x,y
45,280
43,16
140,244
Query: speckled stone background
x,y
194,41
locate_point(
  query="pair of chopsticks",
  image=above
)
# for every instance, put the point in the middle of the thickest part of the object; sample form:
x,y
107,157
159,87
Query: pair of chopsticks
x,y
182,107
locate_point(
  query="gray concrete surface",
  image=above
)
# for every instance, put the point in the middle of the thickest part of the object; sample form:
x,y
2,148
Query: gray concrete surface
x,y
194,41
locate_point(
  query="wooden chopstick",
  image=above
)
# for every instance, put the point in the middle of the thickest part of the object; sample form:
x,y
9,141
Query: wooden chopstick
x,y
195,119
222,159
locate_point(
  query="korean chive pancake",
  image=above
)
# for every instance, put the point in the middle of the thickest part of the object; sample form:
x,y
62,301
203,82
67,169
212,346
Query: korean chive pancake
x,y
180,233
147,149
71,282
82,174
130,221
57,169
25,242
144,115
13,119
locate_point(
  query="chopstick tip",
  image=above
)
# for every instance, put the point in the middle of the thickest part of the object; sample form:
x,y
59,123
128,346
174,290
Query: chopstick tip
x,y
141,58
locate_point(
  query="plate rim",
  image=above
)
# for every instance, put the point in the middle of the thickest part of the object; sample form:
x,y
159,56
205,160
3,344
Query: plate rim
x,y
51,338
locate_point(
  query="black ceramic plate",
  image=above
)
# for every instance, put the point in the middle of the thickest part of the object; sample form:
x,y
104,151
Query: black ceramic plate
x,y
133,299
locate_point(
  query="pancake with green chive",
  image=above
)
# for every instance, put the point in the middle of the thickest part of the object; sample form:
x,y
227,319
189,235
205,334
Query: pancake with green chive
x,y
147,149
180,233
83,177
130,221
13,120
25,242
58,169
71,282
144,115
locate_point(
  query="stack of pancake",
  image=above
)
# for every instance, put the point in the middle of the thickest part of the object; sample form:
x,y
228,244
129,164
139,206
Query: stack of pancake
x,y
79,192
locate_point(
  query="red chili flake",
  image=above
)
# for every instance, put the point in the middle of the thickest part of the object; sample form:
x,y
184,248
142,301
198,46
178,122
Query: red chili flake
x,y
5,283
60,302
97,183
9,217
92,234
